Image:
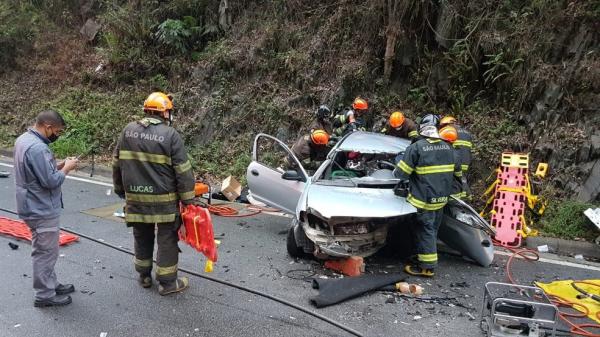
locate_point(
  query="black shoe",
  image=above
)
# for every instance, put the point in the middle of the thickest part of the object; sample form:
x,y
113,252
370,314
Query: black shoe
x,y
64,289
145,281
56,301
176,286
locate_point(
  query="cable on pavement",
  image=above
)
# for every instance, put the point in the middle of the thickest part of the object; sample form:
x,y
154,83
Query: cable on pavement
x,y
225,283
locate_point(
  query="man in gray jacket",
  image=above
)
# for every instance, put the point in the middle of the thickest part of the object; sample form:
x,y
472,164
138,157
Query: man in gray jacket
x,y
39,201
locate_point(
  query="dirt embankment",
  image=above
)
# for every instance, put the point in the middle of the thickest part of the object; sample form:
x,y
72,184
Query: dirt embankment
x,y
521,76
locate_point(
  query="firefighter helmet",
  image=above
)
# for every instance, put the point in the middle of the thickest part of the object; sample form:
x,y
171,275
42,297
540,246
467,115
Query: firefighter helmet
x,y
323,112
360,104
447,120
319,137
158,101
428,126
396,119
448,133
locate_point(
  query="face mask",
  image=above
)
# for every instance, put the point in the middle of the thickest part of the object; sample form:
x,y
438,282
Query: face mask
x,y
53,137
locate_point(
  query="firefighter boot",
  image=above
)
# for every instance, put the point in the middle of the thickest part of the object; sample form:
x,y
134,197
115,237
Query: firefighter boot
x,y
418,271
145,280
179,285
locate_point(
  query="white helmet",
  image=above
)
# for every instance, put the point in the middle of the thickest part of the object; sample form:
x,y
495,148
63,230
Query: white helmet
x,y
429,131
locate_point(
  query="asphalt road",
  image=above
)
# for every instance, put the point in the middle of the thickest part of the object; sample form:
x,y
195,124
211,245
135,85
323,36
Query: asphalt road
x,y
252,253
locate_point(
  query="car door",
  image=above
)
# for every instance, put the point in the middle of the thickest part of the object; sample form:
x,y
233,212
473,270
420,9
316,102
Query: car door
x,y
267,179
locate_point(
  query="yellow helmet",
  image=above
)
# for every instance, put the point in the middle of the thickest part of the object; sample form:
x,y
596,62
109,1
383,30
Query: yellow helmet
x,y
447,120
158,101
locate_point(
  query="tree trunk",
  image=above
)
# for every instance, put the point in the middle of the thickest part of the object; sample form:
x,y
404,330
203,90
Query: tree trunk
x,y
390,51
392,32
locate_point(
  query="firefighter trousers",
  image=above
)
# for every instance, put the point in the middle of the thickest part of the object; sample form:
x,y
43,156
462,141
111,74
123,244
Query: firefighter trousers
x,y
425,231
167,255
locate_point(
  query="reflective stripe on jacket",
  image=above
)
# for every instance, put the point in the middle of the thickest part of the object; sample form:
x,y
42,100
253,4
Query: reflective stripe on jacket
x,y
430,166
464,146
152,171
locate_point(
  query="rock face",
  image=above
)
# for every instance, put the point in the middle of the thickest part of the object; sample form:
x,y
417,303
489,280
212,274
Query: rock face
x,y
90,29
590,190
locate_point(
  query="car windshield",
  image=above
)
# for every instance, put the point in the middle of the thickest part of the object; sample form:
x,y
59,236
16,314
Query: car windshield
x,y
355,169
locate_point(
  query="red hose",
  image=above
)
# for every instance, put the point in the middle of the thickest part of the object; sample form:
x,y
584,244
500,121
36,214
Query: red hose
x,y
576,329
230,212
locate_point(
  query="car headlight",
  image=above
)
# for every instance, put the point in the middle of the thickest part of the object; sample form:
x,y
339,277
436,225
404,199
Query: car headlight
x,y
466,218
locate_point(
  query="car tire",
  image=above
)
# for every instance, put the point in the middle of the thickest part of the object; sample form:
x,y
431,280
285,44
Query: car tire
x,y
292,247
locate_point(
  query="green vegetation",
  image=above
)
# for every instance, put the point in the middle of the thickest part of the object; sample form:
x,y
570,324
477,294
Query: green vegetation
x,y
566,220
217,160
156,38
94,119
18,29
265,66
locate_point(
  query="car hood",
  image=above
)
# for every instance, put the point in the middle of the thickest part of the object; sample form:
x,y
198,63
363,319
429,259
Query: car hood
x,y
333,201
370,142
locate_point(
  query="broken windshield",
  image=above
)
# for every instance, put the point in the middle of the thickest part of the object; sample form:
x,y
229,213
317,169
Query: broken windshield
x,y
354,169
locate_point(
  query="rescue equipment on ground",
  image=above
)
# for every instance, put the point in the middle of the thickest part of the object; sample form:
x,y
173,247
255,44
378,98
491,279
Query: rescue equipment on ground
x,y
197,231
579,293
203,190
517,310
509,196
352,266
20,230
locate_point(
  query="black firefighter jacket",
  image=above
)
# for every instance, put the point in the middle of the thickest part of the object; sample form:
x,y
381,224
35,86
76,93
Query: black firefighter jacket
x,y
431,167
152,171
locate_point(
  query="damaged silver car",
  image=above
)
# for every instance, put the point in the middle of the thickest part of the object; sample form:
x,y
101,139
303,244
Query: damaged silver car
x,y
347,205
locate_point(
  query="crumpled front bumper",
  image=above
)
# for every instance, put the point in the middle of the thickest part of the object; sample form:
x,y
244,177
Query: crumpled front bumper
x,y
347,245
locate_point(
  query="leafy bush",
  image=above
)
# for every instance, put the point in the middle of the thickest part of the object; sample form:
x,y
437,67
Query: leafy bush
x,y
94,119
173,34
152,39
178,35
566,220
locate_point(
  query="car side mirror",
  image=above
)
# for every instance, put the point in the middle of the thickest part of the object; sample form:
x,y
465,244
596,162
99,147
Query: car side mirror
x,y
291,175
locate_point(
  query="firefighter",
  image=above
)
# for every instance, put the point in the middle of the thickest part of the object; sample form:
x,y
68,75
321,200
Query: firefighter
x,y
152,172
351,119
312,149
323,114
430,167
400,126
463,146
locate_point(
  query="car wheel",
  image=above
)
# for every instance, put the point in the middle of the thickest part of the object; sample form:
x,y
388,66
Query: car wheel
x,y
292,247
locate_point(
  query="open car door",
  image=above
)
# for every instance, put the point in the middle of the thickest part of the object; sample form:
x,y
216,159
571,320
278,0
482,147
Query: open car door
x,y
463,230
275,176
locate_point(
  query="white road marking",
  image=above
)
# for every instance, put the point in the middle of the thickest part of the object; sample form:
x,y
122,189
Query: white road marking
x,y
90,181
557,262
542,259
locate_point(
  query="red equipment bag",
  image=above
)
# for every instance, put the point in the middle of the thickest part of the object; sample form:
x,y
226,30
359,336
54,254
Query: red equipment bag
x,y
197,231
